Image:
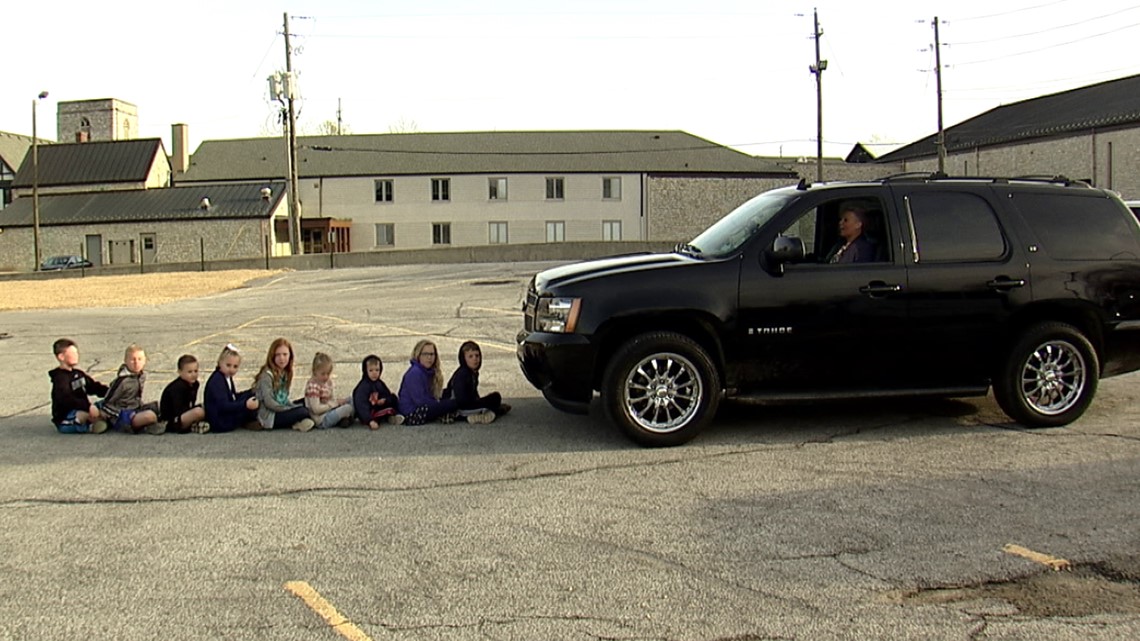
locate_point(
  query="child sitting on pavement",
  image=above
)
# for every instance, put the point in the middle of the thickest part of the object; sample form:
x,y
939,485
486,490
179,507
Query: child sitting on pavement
x,y
179,405
421,388
372,399
276,409
71,408
464,388
325,409
226,408
123,405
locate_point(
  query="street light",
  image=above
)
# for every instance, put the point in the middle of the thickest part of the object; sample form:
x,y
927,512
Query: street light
x,y
36,182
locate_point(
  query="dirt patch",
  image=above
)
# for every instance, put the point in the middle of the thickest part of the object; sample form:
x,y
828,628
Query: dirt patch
x,y
116,291
1084,591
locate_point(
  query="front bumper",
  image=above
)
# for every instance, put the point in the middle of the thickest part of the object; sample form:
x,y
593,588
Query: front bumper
x,y
561,366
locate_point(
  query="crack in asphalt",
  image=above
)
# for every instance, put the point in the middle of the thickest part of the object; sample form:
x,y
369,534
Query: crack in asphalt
x,y
835,556
332,489
645,554
1065,432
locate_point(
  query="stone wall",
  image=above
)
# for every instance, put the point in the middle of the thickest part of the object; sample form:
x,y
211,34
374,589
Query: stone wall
x,y
1109,159
176,242
110,119
680,208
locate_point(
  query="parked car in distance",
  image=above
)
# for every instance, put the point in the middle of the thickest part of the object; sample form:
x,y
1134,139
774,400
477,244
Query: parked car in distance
x,y
64,262
1029,287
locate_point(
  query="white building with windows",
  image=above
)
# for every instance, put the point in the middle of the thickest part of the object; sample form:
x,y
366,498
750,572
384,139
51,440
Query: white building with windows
x,y
421,190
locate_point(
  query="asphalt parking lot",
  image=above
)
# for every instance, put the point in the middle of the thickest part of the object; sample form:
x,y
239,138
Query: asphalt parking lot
x,y
933,519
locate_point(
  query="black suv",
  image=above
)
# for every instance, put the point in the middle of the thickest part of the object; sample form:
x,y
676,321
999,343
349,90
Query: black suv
x,y
1028,286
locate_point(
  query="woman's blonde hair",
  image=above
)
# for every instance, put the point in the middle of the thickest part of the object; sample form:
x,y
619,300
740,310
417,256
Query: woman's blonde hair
x,y
437,374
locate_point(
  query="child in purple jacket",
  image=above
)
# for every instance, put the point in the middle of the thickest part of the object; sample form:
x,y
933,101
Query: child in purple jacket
x,y
421,388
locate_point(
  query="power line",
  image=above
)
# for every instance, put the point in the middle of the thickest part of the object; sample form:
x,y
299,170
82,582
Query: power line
x,y
1059,44
1037,33
1012,11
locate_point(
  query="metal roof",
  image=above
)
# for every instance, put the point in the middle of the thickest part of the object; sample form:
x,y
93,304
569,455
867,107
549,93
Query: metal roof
x,y
150,205
89,163
673,152
1107,104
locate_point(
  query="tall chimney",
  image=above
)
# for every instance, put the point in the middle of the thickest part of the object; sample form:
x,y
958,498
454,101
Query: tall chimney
x,y
179,148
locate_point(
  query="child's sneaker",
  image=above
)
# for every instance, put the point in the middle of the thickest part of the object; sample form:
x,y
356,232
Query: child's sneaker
x,y
503,409
304,425
447,418
482,418
156,428
396,419
201,427
98,427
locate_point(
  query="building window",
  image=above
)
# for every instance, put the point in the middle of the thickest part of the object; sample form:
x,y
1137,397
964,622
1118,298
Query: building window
x,y
611,188
496,188
555,187
441,233
440,189
611,230
497,233
555,231
383,191
385,234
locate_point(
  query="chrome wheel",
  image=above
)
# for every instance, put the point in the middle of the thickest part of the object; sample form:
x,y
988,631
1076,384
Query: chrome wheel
x,y
1053,377
662,393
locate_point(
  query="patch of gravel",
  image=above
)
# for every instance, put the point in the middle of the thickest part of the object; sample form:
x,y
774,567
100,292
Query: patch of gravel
x,y
115,291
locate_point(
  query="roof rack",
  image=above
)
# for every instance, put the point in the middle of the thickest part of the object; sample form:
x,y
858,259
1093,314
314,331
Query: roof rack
x,y
1001,180
1055,178
913,175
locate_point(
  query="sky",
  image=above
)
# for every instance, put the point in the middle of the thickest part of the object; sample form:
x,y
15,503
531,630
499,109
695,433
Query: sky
x,y
735,72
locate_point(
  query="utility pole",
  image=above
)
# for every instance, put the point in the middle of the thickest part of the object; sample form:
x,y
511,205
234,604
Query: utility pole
x,y
941,140
338,116
295,245
817,69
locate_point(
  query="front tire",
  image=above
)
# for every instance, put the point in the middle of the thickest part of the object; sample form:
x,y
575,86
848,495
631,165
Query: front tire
x,y
661,389
1049,377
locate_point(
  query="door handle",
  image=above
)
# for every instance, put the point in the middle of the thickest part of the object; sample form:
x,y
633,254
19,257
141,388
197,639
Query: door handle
x,y
878,288
1003,283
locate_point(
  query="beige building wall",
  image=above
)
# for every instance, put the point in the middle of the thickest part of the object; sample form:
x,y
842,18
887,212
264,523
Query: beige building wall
x,y
1110,159
681,208
526,209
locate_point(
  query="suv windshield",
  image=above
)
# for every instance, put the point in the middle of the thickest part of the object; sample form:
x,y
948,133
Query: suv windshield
x,y
729,233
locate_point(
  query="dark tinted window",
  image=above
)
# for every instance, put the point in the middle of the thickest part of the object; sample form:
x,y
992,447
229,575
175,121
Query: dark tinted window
x,y
954,227
1072,227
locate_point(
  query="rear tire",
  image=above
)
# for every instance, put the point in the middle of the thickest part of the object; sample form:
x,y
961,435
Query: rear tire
x,y
1050,376
661,389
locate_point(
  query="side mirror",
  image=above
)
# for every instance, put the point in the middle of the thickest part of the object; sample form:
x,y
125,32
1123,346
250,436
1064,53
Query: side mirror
x,y
787,249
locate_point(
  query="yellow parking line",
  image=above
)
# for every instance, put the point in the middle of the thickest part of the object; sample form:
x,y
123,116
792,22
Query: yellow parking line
x,y
229,331
318,604
1044,559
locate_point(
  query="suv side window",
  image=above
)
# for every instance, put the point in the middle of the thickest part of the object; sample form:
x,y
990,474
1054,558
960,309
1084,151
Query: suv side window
x,y
954,227
818,228
1078,227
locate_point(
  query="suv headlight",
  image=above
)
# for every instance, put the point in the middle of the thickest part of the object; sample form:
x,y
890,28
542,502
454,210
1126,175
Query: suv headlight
x,y
557,315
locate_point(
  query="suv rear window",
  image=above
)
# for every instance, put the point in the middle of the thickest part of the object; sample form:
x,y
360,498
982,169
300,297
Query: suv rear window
x,y
1078,227
953,227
